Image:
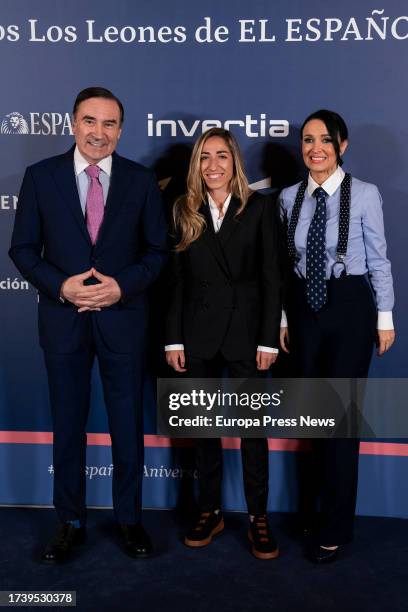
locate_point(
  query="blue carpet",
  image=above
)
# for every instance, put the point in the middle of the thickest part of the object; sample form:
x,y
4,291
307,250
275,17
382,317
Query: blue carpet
x,y
370,576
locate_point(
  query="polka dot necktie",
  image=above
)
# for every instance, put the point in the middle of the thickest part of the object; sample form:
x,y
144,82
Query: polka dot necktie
x,y
316,290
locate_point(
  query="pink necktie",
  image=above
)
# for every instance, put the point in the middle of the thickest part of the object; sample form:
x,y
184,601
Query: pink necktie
x,y
94,203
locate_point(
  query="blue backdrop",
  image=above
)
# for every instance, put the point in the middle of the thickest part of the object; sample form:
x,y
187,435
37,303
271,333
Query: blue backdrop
x,y
258,68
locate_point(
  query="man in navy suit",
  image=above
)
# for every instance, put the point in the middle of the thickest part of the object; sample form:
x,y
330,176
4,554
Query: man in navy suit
x,y
90,235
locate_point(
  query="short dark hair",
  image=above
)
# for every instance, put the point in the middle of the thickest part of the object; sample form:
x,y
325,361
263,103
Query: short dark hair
x,y
98,92
336,128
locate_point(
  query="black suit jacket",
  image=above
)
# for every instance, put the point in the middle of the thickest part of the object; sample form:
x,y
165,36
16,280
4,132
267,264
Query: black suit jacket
x,y
225,288
51,242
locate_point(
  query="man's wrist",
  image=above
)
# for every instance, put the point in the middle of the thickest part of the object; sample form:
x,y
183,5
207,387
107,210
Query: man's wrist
x,y
62,297
122,297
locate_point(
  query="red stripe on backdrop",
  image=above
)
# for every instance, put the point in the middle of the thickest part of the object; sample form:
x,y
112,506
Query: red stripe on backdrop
x,y
384,448
26,437
98,439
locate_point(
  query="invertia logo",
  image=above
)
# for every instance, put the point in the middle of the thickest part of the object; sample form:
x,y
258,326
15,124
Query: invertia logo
x,y
254,127
37,124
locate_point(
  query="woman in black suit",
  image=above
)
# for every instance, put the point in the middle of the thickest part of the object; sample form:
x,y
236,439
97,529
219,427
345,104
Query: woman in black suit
x,y
225,311
339,303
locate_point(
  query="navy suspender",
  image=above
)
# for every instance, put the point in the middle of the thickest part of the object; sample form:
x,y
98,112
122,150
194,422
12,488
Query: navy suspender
x,y
344,221
294,218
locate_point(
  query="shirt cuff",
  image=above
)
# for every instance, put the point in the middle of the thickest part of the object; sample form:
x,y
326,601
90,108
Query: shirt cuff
x,y
267,349
174,347
284,321
384,319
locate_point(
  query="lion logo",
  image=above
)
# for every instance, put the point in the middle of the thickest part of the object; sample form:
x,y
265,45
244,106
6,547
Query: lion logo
x,y
14,123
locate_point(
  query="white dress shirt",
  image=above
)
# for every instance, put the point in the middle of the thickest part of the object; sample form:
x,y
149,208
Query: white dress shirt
x,y
218,213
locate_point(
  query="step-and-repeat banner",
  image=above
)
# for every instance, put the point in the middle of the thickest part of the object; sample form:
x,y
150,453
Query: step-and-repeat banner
x,y
257,68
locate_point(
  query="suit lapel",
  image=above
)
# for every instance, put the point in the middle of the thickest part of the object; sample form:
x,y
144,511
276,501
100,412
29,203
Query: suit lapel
x,y
211,240
230,223
64,176
118,184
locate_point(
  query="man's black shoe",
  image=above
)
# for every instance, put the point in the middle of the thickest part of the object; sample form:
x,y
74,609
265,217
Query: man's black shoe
x,y
207,526
59,548
318,554
136,542
264,545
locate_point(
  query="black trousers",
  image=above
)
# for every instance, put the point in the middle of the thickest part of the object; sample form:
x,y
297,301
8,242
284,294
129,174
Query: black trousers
x,y
335,342
69,380
254,451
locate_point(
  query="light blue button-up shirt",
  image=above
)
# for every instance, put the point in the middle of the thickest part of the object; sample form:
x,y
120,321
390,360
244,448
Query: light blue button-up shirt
x,y
83,180
367,248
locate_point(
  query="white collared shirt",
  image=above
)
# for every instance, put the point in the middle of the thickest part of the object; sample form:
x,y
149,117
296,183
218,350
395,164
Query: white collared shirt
x,y
218,213
330,185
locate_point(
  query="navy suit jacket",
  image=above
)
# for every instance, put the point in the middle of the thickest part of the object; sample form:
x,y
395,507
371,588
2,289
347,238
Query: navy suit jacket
x,y
51,242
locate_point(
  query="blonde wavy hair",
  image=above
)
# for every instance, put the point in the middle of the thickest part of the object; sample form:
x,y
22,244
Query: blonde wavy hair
x,y
189,223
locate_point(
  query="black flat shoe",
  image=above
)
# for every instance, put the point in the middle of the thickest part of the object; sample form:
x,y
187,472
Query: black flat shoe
x,y
136,542
59,548
318,554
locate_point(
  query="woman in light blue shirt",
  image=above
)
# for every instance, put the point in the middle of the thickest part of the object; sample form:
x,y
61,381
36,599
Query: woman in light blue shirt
x,y
339,302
